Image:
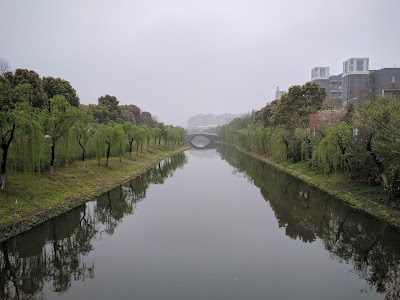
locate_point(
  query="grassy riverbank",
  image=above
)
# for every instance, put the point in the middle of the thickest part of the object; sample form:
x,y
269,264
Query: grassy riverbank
x,y
369,199
40,198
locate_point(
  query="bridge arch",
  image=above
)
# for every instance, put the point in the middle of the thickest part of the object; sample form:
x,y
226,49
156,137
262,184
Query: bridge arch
x,y
211,137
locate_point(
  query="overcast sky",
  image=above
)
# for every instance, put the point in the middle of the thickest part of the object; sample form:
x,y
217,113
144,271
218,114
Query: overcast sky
x,y
179,58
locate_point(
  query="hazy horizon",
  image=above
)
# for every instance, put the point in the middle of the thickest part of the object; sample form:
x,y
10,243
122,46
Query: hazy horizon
x,y
177,59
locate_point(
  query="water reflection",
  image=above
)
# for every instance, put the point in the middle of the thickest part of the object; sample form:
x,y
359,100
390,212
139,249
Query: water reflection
x,y
371,247
206,153
59,251
217,245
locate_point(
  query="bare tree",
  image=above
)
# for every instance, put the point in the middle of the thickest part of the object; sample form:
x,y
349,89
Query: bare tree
x,y
4,66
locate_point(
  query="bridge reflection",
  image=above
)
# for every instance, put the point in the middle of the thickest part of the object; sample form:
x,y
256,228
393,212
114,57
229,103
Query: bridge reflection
x,y
203,153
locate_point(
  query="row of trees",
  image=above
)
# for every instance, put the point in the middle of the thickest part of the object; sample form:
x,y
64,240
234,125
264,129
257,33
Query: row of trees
x,y
43,125
362,141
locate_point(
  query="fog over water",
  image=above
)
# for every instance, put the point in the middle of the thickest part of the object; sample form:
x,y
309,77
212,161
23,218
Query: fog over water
x,y
179,58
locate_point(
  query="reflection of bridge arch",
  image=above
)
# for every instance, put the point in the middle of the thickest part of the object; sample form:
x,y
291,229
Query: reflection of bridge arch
x,y
211,137
203,153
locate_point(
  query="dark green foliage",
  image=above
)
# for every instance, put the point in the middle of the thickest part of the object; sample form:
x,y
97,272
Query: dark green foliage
x,y
147,118
58,86
129,113
295,107
107,109
37,96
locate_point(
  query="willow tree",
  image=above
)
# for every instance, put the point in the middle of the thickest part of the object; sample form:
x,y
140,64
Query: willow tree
x,y
149,135
159,133
140,136
156,132
278,142
111,134
60,118
14,118
85,129
379,131
130,132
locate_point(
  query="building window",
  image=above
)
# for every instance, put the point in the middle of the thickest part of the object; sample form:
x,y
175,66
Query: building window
x,y
360,64
351,65
393,79
345,67
322,72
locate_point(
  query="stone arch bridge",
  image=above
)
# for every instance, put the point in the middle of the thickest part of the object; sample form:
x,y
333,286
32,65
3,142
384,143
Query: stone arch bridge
x,y
211,137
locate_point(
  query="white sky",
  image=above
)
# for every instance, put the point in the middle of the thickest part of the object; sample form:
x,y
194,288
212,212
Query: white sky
x,y
179,58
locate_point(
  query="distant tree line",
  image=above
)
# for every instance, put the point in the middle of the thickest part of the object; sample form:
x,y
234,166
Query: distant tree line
x,y
362,141
43,125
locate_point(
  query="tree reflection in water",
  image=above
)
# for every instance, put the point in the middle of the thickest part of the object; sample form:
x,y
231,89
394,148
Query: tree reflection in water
x,y
60,251
306,214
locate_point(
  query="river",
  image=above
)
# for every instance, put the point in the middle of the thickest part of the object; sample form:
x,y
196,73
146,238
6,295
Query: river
x,y
207,224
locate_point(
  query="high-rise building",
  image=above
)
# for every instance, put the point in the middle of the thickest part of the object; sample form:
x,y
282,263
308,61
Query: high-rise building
x,y
355,79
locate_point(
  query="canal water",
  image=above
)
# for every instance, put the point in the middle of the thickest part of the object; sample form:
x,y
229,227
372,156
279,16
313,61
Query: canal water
x,y
211,224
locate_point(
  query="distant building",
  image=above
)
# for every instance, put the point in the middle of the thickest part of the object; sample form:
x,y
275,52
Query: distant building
x,y
225,118
357,82
355,78
205,121
335,87
278,93
331,84
320,75
202,120
385,81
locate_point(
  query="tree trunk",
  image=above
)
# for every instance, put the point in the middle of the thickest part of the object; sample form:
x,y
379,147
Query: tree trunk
x,y
343,151
263,144
83,160
53,150
130,148
381,168
287,148
108,153
137,148
4,147
83,156
3,181
396,185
